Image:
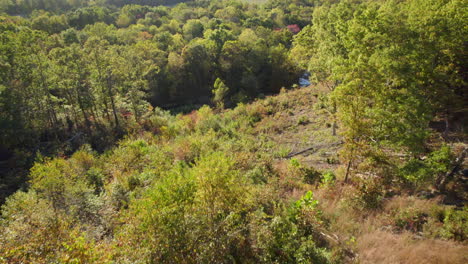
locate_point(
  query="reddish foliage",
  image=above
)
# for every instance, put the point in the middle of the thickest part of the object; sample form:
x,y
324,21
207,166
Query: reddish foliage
x,y
144,35
193,116
126,114
294,28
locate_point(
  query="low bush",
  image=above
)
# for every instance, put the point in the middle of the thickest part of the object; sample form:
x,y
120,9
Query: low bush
x,y
369,195
328,179
422,171
307,174
456,224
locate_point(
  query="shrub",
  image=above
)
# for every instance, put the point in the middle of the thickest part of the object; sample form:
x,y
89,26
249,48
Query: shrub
x,y
328,179
369,195
191,214
95,178
307,174
303,120
456,224
257,175
419,171
412,220
291,235
153,121
33,231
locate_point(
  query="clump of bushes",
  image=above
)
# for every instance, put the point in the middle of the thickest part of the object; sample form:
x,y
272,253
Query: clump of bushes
x,y
368,195
411,220
292,235
307,174
449,223
422,171
328,179
456,224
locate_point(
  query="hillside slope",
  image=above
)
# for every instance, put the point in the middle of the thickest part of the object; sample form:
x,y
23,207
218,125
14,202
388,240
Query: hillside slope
x,y
406,227
258,183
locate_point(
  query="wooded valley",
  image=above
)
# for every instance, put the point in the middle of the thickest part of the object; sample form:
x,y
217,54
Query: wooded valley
x,y
233,131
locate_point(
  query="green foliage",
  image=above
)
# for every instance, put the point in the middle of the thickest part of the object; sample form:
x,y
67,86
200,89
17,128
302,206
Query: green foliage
x,y
205,192
306,202
220,92
328,178
306,174
292,237
206,186
193,29
419,171
195,210
384,68
368,195
439,221
38,232
283,152
91,78
303,120
456,224
411,220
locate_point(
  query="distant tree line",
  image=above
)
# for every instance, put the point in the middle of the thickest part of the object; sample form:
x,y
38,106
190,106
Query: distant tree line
x,y
25,7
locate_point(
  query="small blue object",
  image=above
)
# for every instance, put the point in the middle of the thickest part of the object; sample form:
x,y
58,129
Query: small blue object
x,y
304,80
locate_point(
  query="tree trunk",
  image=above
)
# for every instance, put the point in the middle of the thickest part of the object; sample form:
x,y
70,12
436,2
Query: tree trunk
x,y
447,124
109,93
334,120
83,111
348,168
331,87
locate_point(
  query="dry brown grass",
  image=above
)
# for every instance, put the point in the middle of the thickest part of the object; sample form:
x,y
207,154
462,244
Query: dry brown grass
x,y
401,202
377,240
388,248
296,120
289,184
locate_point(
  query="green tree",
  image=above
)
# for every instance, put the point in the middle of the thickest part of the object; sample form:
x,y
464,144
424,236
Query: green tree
x,y
197,211
193,29
220,92
101,56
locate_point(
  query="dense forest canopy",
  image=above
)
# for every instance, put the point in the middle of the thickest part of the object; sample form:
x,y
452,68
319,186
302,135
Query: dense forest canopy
x,y
94,170
95,65
21,7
